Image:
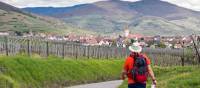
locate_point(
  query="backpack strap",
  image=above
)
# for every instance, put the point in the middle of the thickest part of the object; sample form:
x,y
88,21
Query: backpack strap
x,y
144,57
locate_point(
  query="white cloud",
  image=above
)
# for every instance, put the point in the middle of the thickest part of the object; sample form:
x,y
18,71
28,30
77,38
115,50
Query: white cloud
x,y
131,0
46,3
191,4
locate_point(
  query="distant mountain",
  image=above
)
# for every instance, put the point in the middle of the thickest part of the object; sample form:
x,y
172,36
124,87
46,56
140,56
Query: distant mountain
x,y
150,17
17,20
162,9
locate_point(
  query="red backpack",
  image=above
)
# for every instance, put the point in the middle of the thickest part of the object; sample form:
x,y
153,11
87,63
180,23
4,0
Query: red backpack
x,y
139,70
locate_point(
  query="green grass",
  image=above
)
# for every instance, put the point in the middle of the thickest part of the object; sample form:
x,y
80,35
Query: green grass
x,y
24,72
175,77
53,72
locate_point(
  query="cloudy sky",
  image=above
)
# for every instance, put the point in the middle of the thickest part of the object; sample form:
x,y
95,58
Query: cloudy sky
x,y
191,4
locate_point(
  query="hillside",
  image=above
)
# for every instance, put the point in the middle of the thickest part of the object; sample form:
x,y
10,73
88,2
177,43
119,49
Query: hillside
x,y
14,19
111,16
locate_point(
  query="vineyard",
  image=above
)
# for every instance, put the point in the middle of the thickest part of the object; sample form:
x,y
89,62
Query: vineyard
x,y
12,46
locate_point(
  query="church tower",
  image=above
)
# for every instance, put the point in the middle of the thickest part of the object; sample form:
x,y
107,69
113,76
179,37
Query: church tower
x,y
126,31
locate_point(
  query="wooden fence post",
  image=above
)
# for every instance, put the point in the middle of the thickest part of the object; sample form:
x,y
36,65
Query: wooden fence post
x,y
88,52
63,50
116,52
47,49
83,49
28,47
76,53
93,52
39,51
182,60
98,52
57,49
6,44
72,51
107,52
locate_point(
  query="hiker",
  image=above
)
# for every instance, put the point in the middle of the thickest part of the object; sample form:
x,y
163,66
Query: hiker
x,y
137,68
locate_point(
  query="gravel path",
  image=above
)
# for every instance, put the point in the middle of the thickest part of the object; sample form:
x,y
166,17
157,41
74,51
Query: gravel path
x,y
109,84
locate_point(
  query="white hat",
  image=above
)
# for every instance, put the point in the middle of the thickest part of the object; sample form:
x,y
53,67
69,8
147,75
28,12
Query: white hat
x,y
135,47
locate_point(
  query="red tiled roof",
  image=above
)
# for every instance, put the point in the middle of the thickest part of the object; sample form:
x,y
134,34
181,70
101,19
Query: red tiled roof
x,y
135,36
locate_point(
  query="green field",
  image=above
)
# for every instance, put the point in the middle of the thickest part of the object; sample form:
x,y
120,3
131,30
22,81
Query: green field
x,y
53,72
175,77
24,72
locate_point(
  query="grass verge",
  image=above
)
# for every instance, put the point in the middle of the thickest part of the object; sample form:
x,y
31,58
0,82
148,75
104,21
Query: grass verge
x,y
25,72
175,77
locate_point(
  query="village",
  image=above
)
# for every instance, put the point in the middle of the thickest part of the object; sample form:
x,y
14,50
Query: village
x,y
123,40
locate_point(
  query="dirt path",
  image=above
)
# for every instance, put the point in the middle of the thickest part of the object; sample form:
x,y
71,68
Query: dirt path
x,y
109,84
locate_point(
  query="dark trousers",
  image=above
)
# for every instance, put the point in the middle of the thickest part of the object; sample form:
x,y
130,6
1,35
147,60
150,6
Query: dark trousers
x,y
137,85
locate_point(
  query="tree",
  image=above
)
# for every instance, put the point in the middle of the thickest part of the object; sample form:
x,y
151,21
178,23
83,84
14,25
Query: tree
x,y
161,45
18,33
